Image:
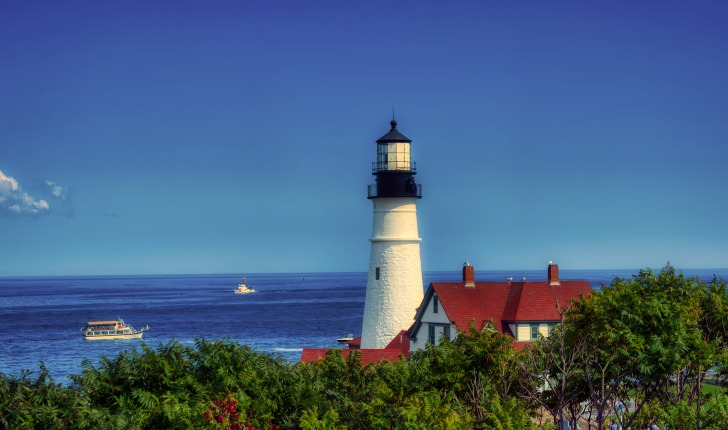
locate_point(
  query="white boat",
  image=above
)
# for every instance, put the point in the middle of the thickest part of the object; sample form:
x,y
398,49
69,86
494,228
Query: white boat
x,y
112,329
346,338
243,289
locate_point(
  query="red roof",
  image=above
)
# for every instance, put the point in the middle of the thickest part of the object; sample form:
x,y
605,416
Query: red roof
x,y
400,343
367,355
399,346
354,343
520,345
505,302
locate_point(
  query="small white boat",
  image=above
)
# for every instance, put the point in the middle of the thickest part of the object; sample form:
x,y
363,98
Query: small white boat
x,y
346,338
243,289
112,329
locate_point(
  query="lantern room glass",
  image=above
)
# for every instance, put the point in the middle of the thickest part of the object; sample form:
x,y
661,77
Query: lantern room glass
x,y
394,156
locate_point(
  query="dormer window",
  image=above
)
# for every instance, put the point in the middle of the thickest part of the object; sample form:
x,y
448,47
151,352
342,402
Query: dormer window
x,y
534,331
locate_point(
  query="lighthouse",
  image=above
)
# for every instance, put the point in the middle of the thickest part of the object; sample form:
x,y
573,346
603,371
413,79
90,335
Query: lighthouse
x,y
394,282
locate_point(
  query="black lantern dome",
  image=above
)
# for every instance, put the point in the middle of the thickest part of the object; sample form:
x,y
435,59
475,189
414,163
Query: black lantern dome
x,y
394,168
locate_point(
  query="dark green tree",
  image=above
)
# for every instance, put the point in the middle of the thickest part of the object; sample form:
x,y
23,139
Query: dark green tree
x,y
641,340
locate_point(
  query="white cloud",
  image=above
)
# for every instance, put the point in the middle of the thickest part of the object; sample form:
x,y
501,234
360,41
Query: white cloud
x,y
7,184
15,201
58,191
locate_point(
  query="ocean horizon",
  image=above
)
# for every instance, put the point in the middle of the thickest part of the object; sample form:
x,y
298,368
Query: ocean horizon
x,y
41,317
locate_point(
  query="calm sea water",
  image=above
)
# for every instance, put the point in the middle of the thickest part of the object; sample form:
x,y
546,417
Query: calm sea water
x,y
41,318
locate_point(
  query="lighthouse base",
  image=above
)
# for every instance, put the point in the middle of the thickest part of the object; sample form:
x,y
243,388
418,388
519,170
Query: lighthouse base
x,y
394,290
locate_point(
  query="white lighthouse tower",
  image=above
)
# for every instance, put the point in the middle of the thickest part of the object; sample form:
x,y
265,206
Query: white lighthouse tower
x,y
394,283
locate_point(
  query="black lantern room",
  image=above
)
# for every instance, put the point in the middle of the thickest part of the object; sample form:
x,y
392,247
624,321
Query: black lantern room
x,y
394,168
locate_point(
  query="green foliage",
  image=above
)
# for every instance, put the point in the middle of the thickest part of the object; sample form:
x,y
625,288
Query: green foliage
x,y
646,325
310,420
385,395
478,372
649,339
684,415
480,354
26,403
225,385
174,386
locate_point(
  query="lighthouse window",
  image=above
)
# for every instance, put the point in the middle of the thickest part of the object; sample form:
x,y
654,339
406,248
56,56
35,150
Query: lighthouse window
x,y
435,305
376,273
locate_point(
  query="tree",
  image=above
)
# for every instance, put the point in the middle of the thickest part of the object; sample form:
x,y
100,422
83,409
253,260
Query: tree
x,y
642,339
550,375
478,370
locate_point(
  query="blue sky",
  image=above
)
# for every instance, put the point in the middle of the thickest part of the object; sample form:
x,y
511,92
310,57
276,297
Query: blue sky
x,y
237,136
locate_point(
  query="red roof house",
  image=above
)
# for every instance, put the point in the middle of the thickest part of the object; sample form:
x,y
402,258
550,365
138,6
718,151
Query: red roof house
x,y
522,309
398,347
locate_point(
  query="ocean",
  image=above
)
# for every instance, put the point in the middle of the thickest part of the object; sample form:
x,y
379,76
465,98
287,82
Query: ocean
x,y
41,317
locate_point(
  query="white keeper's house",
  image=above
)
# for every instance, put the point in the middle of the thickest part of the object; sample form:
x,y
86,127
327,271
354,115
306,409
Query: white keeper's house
x,y
524,310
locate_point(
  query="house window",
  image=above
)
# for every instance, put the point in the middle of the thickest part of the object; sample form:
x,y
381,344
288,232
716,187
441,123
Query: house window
x,y
435,305
446,332
431,334
551,327
534,331
376,273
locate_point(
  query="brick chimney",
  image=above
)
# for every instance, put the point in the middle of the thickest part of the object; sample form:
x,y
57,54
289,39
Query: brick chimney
x,y
468,275
553,274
